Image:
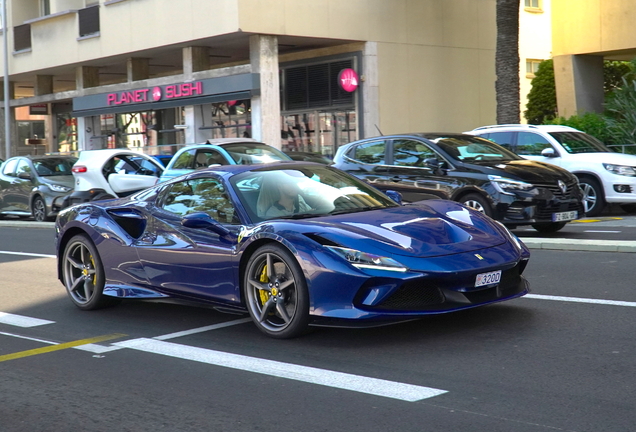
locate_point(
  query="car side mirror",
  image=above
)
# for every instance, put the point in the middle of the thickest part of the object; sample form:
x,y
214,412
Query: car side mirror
x,y
395,196
24,175
432,163
548,152
204,221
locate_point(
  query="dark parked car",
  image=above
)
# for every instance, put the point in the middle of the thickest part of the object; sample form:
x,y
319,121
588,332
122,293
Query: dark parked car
x,y
309,157
470,170
35,185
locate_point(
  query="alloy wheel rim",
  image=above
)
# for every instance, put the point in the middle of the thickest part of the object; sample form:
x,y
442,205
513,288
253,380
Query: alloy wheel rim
x,y
589,197
80,274
38,210
475,205
271,292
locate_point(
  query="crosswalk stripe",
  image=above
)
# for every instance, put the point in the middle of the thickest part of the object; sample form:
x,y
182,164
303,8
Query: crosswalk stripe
x,y
22,321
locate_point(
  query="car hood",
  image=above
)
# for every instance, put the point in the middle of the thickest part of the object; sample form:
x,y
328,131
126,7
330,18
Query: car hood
x,y
433,228
602,157
526,170
65,180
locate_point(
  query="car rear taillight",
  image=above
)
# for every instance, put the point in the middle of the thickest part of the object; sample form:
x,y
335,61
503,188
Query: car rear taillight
x,y
79,169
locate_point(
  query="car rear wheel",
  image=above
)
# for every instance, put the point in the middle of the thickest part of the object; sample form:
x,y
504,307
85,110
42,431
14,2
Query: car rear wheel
x,y
593,200
549,227
83,274
477,202
276,292
38,209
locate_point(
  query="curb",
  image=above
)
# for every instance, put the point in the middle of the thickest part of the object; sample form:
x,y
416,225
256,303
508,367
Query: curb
x,y
580,245
26,224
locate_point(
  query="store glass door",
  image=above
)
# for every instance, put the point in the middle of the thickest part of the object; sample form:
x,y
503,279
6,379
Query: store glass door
x,y
318,131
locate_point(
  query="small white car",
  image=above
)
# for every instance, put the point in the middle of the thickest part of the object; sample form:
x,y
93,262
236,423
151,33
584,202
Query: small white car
x,y
112,173
604,176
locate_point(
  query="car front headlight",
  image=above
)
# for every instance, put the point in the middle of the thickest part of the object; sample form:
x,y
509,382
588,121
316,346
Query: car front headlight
x,y
59,188
507,185
511,236
623,170
366,260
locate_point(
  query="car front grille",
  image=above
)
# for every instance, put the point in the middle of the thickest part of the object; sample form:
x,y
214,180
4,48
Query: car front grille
x,y
415,295
571,190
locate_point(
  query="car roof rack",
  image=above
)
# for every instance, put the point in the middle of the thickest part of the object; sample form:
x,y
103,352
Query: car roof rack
x,y
528,126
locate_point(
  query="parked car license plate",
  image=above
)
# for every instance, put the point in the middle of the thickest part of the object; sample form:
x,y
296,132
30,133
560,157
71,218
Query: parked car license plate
x,y
564,216
488,278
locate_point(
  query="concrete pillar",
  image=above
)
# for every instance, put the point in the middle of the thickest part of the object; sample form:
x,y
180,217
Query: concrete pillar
x,y
195,59
86,77
579,84
194,119
11,91
370,92
13,147
137,68
43,85
266,117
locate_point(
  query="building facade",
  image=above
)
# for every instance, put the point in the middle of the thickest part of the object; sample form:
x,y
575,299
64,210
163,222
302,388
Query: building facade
x,y
586,32
299,75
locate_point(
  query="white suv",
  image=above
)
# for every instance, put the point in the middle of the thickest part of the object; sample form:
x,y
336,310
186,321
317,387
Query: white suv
x,y
604,176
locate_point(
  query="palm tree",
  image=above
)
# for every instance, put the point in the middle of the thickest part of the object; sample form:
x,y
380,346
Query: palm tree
x,y
507,62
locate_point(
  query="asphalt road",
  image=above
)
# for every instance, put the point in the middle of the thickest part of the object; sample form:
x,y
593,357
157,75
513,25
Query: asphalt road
x,y
560,359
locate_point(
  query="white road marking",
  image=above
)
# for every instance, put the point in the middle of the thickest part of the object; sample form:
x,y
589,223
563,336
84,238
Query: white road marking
x,y
22,321
602,231
374,386
203,329
28,254
581,300
28,338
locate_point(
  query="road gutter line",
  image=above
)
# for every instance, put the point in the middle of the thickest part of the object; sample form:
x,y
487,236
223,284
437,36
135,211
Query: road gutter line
x,y
580,300
27,254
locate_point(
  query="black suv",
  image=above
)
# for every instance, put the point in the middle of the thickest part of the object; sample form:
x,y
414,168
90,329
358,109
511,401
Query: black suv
x,y
470,170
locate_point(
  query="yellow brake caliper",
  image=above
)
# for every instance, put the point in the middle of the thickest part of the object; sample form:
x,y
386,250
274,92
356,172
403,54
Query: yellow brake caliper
x,y
264,279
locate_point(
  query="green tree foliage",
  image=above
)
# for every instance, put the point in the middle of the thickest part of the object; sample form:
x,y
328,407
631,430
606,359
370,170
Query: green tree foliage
x,y
591,123
621,113
542,103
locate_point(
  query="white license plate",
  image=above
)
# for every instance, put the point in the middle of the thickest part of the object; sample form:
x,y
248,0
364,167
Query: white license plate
x,y
488,278
565,216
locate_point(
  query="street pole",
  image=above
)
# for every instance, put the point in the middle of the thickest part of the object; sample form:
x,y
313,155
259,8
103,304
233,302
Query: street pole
x,y
7,114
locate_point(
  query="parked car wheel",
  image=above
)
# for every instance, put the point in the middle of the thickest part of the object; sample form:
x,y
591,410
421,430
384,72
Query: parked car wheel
x,y
276,292
593,200
84,274
547,228
38,209
478,203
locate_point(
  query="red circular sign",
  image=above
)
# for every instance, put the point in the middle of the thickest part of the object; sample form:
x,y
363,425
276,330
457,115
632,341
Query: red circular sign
x,y
348,79
156,93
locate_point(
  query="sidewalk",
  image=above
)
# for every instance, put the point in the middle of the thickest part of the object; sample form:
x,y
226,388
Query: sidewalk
x,y
580,245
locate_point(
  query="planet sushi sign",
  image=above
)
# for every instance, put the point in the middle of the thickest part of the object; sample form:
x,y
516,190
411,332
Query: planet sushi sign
x,y
348,80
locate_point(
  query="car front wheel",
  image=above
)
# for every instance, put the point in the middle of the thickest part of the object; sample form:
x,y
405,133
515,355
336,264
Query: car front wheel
x,y
38,209
477,202
276,292
593,199
83,274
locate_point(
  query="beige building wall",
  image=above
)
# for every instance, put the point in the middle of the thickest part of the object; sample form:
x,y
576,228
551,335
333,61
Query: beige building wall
x,y
585,32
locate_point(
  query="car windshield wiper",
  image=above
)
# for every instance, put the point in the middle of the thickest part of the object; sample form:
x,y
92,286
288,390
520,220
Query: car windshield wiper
x,y
298,216
355,210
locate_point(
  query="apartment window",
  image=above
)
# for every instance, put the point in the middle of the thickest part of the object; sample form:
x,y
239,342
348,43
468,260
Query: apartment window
x,y
22,37
88,20
533,4
532,66
45,7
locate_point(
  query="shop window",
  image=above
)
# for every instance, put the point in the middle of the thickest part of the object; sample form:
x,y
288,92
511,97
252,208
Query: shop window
x,y
88,21
66,133
314,86
30,129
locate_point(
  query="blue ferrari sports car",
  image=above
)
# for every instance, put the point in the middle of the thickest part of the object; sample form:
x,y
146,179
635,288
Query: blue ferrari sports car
x,y
292,243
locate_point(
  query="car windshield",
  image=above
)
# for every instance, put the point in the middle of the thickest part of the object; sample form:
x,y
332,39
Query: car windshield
x,y
304,191
50,167
250,153
578,142
474,149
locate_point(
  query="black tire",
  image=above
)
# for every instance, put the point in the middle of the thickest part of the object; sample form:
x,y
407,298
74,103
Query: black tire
x,y
38,210
83,274
477,202
593,196
276,292
629,208
550,227
102,197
